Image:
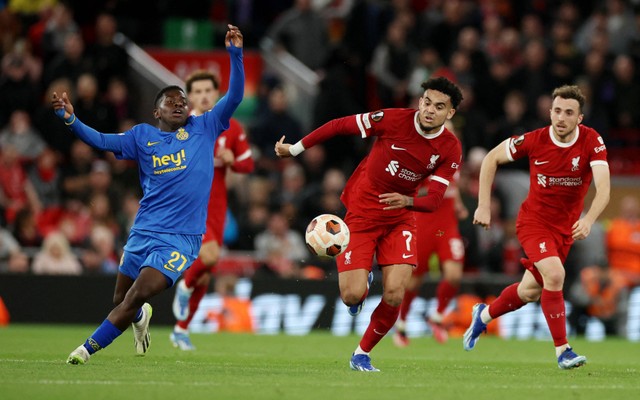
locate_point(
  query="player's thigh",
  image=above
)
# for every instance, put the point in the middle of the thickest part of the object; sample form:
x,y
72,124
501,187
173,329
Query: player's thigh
x,y
353,283
398,245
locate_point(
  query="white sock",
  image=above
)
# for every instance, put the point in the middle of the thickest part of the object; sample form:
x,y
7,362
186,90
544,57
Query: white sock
x,y
484,316
401,325
179,329
360,351
561,349
436,317
183,285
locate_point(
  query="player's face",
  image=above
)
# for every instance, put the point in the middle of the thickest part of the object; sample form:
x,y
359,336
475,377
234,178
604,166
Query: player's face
x,y
434,109
173,109
203,96
565,116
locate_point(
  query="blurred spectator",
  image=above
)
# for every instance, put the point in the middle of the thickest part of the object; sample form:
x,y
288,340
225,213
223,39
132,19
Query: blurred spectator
x,y
515,121
70,63
101,212
26,230
99,255
20,134
118,96
470,122
280,249
325,197
90,108
109,60
75,175
534,78
52,128
302,32
59,26
391,66
623,240
12,258
601,293
273,124
19,92
126,213
56,257
16,191
250,224
75,221
45,176
427,64
624,110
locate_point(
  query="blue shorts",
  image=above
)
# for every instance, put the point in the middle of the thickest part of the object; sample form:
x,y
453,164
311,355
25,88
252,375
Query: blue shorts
x,y
171,254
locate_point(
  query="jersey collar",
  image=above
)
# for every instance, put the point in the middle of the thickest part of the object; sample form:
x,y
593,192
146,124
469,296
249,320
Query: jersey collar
x,y
560,144
426,135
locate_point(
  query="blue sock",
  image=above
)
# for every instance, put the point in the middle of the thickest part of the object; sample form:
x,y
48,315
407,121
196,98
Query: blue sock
x,y
138,315
102,337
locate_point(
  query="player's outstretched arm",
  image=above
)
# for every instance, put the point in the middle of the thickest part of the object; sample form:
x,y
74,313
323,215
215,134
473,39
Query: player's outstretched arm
x,y
64,110
62,107
283,149
233,37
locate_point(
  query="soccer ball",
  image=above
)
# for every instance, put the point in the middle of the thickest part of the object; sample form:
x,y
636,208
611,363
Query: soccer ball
x,y
327,236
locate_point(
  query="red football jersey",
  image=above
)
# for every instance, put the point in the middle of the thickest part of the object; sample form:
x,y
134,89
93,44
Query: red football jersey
x,y
234,139
399,160
560,174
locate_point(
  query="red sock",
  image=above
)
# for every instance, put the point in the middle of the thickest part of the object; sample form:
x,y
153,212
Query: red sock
x,y
445,292
382,319
507,301
194,272
409,295
196,296
552,304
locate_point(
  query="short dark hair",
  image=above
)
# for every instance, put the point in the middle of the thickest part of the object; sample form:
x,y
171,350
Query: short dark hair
x,y
444,85
570,92
163,91
202,75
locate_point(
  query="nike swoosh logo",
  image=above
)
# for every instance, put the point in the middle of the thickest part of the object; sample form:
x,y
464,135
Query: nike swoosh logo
x,y
394,147
378,333
149,144
536,162
407,256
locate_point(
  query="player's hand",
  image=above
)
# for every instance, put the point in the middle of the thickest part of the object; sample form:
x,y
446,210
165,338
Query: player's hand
x,y
482,217
233,36
395,201
581,229
282,148
225,156
61,105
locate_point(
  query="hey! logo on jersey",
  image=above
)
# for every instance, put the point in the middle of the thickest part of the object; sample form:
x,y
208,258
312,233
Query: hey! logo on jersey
x,y
174,162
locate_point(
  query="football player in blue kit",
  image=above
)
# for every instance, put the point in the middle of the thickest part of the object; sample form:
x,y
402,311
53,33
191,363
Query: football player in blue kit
x,y
175,163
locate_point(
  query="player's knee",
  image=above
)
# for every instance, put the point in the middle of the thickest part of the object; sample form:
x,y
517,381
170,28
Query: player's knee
x,y
393,296
351,296
530,295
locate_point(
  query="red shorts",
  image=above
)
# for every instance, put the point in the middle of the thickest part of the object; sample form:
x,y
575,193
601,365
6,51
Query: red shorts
x,y
539,242
392,242
438,234
215,224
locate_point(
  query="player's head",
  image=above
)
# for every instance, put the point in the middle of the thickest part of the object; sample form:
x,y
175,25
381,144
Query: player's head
x,y
566,109
171,106
438,103
203,90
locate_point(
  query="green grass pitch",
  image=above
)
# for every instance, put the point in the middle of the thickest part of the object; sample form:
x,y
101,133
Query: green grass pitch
x,y
228,366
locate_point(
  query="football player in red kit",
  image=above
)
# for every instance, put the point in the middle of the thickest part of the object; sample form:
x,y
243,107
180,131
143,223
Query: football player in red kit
x,y
563,159
381,196
438,234
232,151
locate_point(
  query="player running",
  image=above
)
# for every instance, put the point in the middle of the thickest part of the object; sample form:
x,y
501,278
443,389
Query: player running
x,y
231,151
175,160
380,198
438,234
563,159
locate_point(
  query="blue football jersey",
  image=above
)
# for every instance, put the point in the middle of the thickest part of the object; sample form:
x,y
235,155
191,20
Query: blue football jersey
x,y
175,168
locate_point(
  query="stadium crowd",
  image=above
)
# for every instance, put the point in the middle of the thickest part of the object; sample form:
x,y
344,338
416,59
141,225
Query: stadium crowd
x,y
67,209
